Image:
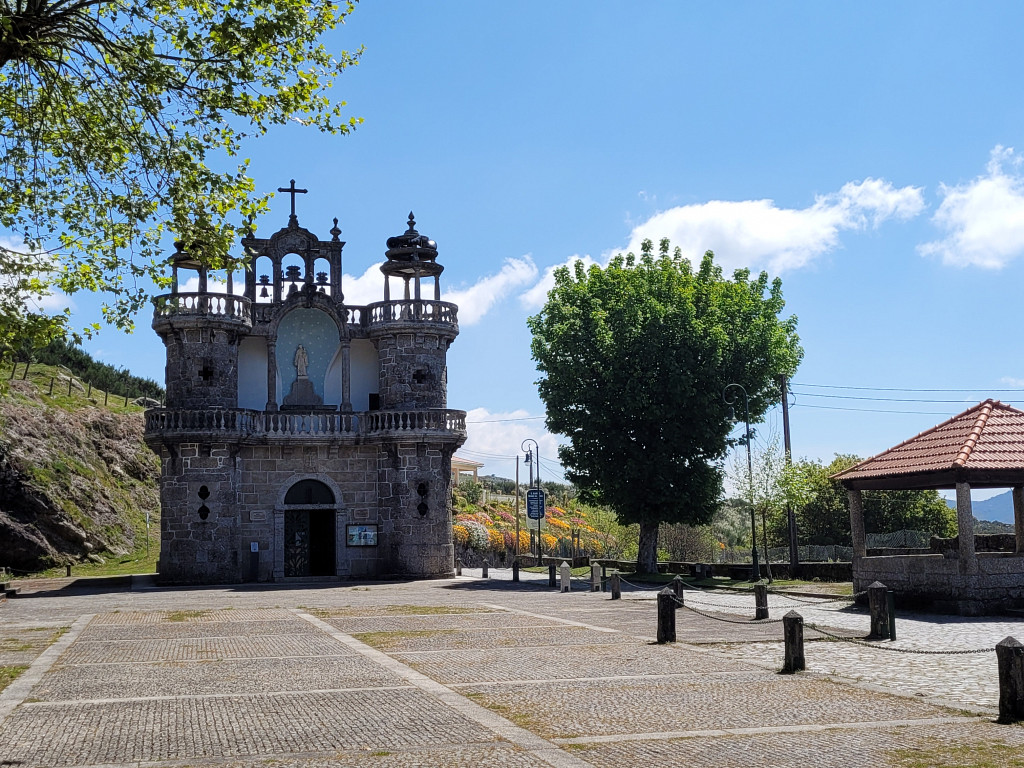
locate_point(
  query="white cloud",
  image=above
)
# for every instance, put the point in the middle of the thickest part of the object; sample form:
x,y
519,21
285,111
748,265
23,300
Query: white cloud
x,y
212,286
535,297
1011,381
495,439
759,234
983,219
367,288
476,300
49,302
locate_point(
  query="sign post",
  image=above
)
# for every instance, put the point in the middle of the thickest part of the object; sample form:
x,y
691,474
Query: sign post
x,y
535,511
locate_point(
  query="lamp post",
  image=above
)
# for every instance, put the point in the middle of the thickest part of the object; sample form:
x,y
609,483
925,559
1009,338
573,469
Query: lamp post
x,y
529,462
730,401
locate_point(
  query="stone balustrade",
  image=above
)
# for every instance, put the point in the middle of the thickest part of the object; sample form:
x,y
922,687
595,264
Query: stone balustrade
x,y
208,305
232,307
243,423
413,311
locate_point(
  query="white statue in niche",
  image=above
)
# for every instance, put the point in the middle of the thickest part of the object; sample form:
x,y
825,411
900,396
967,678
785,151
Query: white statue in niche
x,y
301,361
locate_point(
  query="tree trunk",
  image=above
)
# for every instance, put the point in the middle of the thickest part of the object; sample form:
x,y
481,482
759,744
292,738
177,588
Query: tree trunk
x,y
647,554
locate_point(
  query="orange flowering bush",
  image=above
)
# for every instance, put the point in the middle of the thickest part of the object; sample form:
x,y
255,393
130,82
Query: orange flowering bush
x,y
460,535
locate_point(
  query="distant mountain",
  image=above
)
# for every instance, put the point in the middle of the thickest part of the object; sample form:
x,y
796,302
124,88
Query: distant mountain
x,y
998,508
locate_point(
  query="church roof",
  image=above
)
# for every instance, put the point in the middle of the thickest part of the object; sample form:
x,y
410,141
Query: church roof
x,y
983,446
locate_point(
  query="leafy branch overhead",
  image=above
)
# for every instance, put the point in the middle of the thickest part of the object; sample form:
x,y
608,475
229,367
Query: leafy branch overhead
x,y
119,117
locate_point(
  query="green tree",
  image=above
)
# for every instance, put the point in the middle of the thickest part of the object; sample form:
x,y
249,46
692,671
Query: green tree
x,y
776,484
117,121
471,490
825,517
634,359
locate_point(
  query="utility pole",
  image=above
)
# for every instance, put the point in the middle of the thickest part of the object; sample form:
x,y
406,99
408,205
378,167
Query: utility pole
x,y
516,548
794,552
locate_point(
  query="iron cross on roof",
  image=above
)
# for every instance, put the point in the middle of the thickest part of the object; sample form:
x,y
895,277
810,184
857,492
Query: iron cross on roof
x,y
293,192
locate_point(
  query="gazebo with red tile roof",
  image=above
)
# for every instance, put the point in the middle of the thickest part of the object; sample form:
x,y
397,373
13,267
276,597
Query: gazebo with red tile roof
x,y
983,447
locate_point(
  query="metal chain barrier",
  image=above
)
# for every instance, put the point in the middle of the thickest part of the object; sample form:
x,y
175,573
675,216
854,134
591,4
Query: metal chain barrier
x,y
876,646
815,602
747,622
702,604
642,589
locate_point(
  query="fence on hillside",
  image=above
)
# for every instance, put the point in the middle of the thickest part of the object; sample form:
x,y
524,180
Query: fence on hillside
x,y
69,380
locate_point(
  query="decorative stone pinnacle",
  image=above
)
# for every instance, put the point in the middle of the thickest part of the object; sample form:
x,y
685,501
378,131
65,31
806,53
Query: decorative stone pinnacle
x,y
412,222
335,231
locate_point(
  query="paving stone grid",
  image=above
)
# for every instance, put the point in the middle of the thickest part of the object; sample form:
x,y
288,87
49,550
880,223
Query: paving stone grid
x,y
473,672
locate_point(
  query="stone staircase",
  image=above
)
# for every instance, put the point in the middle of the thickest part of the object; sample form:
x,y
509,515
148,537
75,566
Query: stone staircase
x,y
6,590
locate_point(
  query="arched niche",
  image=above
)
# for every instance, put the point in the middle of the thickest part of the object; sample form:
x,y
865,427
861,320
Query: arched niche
x,y
317,332
293,274
322,275
264,268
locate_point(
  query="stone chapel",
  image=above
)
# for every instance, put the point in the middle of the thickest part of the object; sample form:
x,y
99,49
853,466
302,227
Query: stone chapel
x,y
303,437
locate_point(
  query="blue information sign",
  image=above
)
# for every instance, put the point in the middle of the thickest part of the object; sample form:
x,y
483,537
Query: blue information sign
x,y
535,504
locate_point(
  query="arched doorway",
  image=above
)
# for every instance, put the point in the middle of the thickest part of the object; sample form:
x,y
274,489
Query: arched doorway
x,y
310,527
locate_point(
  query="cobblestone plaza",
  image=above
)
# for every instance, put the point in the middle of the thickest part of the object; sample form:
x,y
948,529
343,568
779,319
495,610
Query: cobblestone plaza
x,y
474,672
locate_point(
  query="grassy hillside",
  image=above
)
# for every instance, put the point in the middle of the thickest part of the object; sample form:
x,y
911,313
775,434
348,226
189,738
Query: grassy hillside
x,y
76,478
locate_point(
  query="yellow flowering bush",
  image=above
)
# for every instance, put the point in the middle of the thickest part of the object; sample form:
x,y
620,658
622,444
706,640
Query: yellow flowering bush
x,y
492,528
495,540
524,541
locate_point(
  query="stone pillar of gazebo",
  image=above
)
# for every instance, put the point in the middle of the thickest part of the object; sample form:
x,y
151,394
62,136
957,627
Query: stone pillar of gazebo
x,y
1018,516
965,528
860,540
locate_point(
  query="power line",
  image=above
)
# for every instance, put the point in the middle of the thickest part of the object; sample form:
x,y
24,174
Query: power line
x,y
869,410
486,455
885,399
901,389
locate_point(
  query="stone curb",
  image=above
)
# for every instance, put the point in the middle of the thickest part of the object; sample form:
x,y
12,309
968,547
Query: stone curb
x,y
22,686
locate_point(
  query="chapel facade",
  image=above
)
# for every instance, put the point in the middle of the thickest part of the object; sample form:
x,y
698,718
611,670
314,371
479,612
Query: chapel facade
x,y
302,437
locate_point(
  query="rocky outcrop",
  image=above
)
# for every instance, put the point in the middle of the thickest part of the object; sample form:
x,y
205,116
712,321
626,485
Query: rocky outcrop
x,y
74,481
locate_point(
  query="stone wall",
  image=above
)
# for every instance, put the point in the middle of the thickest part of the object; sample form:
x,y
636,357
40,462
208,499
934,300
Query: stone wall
x,y
199,524
413,373
940,582
414,482
202,368
382,485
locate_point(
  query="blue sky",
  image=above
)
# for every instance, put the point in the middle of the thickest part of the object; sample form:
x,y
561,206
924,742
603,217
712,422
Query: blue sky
x,y
869,153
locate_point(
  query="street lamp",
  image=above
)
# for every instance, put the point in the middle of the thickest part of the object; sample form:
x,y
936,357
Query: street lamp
x,y
529,462
756,569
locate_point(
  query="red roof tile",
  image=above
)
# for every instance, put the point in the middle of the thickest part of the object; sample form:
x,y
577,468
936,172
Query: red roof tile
x,y
986,438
